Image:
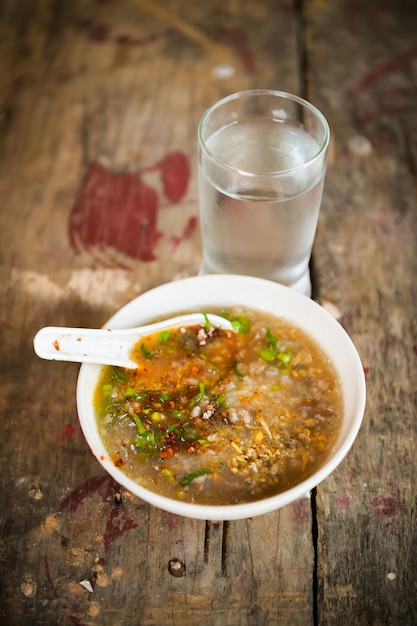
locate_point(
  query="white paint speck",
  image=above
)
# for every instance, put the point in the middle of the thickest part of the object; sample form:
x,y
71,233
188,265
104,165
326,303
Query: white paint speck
x,y
87,585
360,145
391,576
39,285
224,70
97,286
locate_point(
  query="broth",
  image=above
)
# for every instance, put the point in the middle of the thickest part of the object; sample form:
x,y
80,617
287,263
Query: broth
x,y
219,417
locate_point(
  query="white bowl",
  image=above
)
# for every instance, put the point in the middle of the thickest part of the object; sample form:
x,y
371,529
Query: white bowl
x,y
225,290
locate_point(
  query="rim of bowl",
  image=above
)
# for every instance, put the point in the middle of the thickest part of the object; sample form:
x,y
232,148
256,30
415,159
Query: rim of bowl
x,y
236,290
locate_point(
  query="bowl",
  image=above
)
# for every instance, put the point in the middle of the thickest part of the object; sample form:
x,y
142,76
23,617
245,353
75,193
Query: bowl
x,y
227,290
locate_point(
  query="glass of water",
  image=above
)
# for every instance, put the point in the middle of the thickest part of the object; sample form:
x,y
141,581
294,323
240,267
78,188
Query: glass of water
x,y
262,162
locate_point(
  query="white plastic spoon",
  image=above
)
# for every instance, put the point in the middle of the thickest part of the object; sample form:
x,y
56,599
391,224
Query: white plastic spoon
x,y
108,346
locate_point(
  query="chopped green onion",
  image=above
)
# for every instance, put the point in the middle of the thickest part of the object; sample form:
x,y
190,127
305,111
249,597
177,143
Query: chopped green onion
x,y
268,355
146,442
236,371
207,323
272,339
189,433
273,352
199,395
146,353
188,478
240,324
164,335
142,430
284,357
120,374
107,390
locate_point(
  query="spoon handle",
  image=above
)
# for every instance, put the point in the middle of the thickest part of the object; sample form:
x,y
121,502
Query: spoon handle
x,y
84,345
107,346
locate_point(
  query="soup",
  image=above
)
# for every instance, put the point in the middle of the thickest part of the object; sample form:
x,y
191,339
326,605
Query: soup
x,y
221,417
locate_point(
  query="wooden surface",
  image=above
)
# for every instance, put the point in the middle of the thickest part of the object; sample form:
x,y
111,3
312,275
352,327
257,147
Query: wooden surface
x,y
99,103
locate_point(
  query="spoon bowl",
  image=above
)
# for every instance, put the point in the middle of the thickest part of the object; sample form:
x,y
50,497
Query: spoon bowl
x,y
107,346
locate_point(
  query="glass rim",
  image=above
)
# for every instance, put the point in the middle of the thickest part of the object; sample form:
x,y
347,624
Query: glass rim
x,y
266,92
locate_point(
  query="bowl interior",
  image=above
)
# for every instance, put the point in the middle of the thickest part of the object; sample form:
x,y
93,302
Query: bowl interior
x,y
198,293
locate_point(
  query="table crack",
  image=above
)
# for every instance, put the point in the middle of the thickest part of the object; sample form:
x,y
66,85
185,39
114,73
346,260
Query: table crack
x,y
314,537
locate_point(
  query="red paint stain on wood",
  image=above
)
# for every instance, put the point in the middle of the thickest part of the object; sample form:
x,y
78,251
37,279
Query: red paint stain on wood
x,y
371,115
118,523
93,579
49,578
343,503
130,41
70,429
391,485
188,231
105,485
382,70
175,173
120,211
286,6
405,459
66,432
170,519
300,511
238,38
117,210
385,507
100,33
175,168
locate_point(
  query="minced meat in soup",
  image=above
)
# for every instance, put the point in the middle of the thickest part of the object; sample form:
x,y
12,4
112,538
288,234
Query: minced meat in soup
x,y
219,417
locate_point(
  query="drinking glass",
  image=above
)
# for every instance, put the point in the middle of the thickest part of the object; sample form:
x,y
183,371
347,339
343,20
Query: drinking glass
x,y
262,163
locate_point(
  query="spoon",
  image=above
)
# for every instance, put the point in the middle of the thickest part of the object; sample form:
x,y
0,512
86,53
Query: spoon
x,y
107,346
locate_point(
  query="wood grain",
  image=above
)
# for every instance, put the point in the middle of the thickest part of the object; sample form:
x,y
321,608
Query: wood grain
x,y
116,89
366,268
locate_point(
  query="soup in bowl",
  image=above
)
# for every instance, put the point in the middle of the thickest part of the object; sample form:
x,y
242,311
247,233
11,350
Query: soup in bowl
x,y
225,424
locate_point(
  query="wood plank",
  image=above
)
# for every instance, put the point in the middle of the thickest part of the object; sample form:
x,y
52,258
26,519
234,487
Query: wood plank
x,y
97,98
366,270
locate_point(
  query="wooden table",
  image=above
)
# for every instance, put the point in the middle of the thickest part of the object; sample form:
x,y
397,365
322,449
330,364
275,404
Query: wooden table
x,y
100,102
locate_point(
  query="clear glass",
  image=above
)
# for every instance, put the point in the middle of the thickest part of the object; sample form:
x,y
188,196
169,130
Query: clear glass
x,y
262,163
